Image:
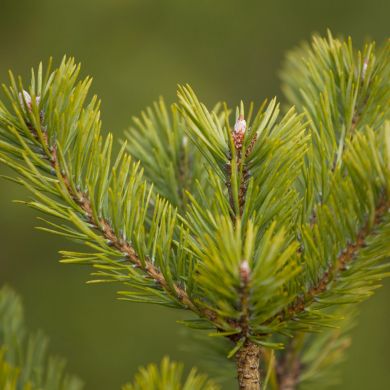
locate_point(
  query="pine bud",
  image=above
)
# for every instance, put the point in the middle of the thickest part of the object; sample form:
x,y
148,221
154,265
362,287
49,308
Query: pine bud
x,y
240,126
245,271
239,132
364,69
25,98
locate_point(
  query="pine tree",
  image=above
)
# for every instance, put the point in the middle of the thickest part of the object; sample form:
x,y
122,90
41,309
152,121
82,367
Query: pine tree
x,y
268,224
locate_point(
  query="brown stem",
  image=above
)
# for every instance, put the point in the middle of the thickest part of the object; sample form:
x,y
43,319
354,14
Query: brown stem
x,y
289,367
290,380
248,366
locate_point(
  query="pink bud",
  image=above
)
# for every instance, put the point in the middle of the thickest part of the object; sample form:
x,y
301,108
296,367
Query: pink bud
x,y
240,126
245,266
245,271
364,69
28,99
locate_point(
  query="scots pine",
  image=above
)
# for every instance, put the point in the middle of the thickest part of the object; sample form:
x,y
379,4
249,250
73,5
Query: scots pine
x,y
268,224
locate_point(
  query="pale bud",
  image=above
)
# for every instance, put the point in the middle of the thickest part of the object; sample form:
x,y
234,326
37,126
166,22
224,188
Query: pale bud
x,y
27,98
245,271
364,69
240,126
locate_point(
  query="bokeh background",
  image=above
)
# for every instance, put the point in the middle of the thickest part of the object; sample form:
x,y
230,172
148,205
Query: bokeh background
x,y
137,50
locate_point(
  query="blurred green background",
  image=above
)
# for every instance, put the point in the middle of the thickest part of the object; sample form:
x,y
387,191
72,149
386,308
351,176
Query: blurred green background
x,y
137,50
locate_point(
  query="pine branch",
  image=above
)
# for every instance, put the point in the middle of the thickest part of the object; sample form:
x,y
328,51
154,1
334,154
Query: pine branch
x,y
32,137
369,106
284,219
365,91
83,201
341,264
242,151
341,91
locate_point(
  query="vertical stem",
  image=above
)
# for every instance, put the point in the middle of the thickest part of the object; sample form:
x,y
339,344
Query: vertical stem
x,y
290,380
248,370
289,367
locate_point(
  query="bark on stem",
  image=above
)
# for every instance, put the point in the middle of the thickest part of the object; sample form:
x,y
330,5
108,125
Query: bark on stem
x,y
248,366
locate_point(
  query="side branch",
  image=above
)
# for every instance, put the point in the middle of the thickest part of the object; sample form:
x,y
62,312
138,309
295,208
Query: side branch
x,y
82,200
341,264
120,244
